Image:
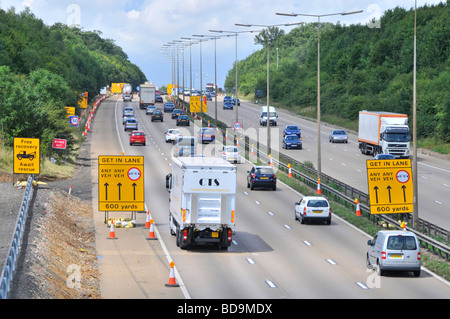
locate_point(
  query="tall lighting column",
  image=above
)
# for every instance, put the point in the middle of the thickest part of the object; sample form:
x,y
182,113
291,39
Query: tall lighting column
x,y
268,71
318,16
235,33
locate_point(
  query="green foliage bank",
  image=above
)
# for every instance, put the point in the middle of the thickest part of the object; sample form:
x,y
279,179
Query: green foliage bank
x,y
362,68
41,70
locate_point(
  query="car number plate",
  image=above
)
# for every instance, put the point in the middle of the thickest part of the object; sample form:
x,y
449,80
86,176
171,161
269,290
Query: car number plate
x,y
395,256
317,211
215,234
264,178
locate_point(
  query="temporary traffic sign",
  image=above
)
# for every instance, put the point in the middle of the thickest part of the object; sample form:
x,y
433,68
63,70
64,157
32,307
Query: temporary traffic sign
x,y
195,106
59,143
74,120
26,155
120,183
390,186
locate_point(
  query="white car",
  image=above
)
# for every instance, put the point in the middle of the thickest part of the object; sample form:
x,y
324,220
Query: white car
x,y
231,154
171,135
313,208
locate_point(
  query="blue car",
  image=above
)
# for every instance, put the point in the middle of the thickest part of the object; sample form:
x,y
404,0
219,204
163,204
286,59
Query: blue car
x,y
169,107
292,141
227,105
292,130
207,135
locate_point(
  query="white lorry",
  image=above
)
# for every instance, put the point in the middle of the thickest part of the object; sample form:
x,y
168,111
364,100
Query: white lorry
x,y
272,116
126,92
384,133
202,201
147,95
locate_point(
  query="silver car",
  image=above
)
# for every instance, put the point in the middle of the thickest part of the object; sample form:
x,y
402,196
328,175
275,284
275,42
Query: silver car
x,y
131,124
338,136
394,250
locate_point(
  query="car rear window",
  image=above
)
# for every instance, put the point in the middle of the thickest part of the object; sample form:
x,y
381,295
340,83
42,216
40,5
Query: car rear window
x,y
264,171
137,134
401,243
317,203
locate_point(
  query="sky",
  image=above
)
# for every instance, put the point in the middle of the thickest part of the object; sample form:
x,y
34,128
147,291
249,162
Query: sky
x,y
142,28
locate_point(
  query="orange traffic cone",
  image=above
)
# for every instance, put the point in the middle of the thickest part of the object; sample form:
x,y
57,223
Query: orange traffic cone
x,y
172,282
151,233
403,225
147,219
112,234
319,191
358,210
270,160
290,170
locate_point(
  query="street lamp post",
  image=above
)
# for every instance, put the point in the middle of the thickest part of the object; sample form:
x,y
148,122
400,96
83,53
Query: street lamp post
x,y
318,16
235,34
268,71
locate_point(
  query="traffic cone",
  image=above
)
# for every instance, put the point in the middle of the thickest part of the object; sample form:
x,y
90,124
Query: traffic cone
x,y
358,210
319,191
151,233
147,219
112,234
172,282
403,225
252,152
290,170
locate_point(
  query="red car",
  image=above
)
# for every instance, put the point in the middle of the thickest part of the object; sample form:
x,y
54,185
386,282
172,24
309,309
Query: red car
x,y
137,137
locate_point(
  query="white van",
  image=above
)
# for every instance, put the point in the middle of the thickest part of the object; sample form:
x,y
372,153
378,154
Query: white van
x,y
272,116
394,250
185,146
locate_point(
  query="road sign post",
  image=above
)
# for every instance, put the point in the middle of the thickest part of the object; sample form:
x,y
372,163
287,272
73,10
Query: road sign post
x,y
120,183
390,186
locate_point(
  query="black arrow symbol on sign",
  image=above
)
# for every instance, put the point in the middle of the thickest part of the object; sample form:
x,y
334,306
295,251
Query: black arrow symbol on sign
x,y
106,191
404,193
389,190
376,193
134,191
119,189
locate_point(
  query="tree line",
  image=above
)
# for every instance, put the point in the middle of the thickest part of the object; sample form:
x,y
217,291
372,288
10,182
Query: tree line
x,y
45,68
362,68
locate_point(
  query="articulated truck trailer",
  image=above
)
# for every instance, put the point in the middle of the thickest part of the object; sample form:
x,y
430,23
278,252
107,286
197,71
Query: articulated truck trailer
x,y
384,133
202,201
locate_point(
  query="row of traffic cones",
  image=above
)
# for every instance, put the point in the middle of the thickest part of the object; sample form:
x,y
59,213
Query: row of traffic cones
x,y
151,236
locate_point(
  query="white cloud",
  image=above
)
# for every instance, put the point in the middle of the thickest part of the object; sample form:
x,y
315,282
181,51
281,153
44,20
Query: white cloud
x,y
142,27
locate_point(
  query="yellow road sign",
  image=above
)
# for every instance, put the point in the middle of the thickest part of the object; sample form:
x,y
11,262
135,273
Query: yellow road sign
x,y
26,155
195,106
390,186
120,183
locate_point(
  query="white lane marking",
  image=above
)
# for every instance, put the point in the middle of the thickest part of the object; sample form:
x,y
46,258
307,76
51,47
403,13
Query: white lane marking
x,y
271,284
331,261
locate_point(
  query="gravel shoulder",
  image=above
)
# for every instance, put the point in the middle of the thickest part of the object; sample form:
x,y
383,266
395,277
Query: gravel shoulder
x,y
57,257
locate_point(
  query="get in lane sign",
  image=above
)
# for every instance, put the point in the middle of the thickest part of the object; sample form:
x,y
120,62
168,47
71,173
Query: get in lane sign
x,y
120,183
390,186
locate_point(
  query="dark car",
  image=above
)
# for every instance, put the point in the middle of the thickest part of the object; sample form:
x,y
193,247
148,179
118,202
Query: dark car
x,y
207,135
292,130
234,102
261,176
169,107
227,105
292,141
383,156
158,98
183,120
176,113
158,116
227,98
